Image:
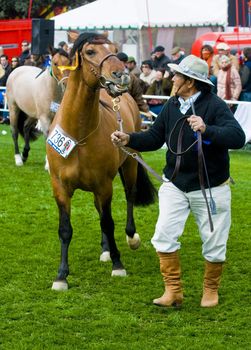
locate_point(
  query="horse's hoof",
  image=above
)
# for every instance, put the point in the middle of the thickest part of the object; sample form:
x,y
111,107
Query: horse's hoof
x,y
59,285
119,272
134,242
105,256
18,160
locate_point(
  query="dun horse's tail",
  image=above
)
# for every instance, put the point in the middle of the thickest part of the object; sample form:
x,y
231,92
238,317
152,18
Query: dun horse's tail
x,y
27,123
145,192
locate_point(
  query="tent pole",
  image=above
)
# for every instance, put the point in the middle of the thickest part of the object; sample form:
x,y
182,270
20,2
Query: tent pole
x,y
237,25
29,10
149,28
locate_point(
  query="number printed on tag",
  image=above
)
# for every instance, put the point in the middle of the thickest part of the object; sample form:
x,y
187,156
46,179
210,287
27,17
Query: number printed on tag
x,y
62,143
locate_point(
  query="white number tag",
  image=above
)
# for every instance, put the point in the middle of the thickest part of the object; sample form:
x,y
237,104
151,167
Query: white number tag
x,y
62,143
54,106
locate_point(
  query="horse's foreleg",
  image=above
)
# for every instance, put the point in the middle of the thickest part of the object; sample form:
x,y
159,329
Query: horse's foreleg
x,y
107,231
65,236
14,133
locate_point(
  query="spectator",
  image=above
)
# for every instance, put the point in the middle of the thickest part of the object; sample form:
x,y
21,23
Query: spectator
x,y
63,45
7,69
177,55
228,80
207,54
14,62
246,85
223,49
181,192
132,66
160,60
25,47
148,73
160,87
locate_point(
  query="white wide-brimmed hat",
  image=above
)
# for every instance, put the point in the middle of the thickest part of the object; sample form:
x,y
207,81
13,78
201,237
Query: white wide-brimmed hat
x,y
193,67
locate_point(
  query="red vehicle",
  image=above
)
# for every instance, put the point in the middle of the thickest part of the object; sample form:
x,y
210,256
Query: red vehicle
x,y
236,40
12,33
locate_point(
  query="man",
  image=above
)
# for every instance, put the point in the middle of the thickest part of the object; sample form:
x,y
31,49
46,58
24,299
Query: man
x,y
193,109
223,49
7,69
132,66
25,55
177,55
160,60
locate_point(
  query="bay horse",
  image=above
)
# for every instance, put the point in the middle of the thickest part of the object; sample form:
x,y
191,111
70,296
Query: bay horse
x,y
30,92
86,119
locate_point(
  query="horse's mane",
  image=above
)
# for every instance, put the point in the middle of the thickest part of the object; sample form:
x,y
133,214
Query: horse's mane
x,y
88,37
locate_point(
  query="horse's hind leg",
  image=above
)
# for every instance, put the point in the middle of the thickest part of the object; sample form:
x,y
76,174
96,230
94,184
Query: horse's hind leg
x,y
103,205
128,175
14,114
65,236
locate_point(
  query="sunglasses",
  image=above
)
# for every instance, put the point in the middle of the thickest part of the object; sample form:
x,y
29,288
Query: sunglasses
x,y
14,61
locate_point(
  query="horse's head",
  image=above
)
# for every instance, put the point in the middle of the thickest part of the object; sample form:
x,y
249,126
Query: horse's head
x,y
59,59
99,63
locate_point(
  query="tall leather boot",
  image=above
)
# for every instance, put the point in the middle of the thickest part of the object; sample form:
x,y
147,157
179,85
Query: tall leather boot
x,y
211,284
170,270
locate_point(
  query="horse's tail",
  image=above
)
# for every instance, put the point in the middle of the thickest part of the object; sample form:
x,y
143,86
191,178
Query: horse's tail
x,y
29,123
145,192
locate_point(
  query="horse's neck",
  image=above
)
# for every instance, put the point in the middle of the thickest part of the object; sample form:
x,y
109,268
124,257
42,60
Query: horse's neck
x,y
55,89
80,107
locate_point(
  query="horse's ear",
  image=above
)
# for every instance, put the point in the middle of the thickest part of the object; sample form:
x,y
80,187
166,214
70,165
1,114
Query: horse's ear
x,y
116,47
73,35
105,34
51,50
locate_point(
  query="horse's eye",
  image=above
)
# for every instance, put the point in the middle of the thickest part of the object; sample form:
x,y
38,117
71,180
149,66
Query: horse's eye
x,y
90,52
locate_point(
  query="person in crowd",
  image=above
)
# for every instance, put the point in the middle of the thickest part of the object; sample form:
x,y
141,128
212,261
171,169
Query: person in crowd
x,y
200,112
63,45
14,62
148,74
177,55
132,66
246,83
228,80
135,87
160,87
25,55
7,69
160,60
207,54
223,49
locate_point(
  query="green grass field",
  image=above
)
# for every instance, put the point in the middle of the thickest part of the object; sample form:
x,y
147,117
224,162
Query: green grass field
x,y
98,311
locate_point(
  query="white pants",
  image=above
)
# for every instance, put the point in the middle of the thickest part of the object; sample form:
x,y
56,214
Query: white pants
x,y
174,208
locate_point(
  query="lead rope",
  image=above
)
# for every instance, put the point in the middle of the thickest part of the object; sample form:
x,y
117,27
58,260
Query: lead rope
x,y
116,108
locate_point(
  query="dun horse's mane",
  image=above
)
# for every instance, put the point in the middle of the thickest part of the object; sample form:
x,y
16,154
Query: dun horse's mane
x,y
88,37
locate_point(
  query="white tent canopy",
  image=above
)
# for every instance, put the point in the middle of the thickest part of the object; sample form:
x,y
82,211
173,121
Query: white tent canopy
x,y
135,14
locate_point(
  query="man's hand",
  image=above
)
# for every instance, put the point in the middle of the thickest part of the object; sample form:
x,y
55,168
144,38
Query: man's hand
x,y
119,138
196,123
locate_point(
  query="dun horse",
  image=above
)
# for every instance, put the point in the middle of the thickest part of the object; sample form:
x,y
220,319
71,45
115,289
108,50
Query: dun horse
x,y
80,153
30,92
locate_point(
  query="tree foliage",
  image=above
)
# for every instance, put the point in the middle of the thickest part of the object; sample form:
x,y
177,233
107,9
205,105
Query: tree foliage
x,y
10,9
